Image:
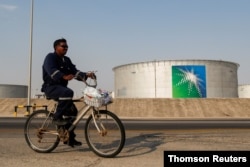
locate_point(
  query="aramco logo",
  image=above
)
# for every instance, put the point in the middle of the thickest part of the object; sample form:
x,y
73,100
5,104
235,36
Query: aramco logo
x,y
189,81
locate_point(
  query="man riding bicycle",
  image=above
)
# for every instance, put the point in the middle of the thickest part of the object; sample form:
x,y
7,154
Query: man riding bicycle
x,y
57,71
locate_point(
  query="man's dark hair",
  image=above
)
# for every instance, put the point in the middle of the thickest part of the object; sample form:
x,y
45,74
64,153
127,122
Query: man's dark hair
x,y
58,41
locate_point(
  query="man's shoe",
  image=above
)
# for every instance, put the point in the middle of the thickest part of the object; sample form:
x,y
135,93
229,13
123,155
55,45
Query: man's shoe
x,y
59,121
77,143
73,143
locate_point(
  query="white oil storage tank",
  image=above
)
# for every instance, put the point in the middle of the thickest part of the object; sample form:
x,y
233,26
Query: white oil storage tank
x,y
244,91
13,91
177,79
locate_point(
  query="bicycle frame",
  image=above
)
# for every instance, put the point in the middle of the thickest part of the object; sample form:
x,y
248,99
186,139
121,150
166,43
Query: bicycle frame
x,y
104,131
81,113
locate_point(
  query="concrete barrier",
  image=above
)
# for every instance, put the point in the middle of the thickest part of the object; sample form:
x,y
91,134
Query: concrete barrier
x,y
154,108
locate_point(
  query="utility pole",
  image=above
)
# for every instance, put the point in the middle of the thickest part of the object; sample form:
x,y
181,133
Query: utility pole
x,y
155,78
30,59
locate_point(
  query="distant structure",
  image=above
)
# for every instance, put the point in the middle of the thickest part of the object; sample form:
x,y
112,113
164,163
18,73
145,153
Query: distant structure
x,y
39,96
244,91
13,91
177,79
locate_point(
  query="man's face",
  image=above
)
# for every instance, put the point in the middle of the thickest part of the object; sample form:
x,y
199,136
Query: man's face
x,y
61,49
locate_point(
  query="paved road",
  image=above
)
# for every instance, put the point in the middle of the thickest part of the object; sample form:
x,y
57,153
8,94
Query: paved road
x,y
151,124
142,148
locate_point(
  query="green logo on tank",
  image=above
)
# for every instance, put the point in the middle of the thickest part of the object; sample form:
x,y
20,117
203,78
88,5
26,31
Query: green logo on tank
x,y
189,81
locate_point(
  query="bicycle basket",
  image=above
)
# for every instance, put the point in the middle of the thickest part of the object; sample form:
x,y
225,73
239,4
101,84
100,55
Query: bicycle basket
x,y
92,97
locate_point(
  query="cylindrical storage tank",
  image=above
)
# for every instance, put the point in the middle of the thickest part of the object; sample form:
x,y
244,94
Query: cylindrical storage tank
x,y
13,91
177,79
244,91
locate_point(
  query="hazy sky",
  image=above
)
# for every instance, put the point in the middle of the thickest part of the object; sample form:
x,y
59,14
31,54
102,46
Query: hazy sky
x,y
103,34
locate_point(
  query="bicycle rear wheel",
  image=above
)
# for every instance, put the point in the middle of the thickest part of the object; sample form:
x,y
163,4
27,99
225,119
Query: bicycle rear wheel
x,y
111,138
40,133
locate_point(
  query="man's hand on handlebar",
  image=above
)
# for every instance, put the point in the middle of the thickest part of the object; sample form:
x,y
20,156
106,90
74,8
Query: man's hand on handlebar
x,y
90,74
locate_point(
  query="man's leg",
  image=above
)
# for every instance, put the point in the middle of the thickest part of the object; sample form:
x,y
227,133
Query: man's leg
x,y
57,91
66,107
72,141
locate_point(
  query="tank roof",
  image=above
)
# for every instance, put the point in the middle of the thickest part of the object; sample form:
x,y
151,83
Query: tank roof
x,y
184,60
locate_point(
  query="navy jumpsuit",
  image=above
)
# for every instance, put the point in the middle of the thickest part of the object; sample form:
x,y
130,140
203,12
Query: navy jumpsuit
x,y
55,87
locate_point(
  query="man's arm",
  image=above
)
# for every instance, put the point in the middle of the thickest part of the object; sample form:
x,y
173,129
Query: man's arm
x,y
79,75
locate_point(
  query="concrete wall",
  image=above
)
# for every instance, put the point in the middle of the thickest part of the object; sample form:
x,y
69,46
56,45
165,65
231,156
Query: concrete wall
x,y
156,108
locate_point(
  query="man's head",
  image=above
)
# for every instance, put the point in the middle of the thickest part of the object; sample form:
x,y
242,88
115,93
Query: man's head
x,y
61,46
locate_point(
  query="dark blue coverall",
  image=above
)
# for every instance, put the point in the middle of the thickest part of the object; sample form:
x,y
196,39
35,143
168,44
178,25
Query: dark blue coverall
x,y
55,87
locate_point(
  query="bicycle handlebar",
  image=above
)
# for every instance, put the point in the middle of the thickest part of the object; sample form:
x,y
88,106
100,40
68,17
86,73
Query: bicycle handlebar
x,y
93,78
91,85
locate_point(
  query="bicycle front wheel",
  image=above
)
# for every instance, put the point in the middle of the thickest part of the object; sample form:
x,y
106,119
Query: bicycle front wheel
x,y
106,138
40,133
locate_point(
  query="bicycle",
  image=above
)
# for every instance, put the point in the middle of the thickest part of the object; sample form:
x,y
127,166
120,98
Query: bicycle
x,y
104,131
